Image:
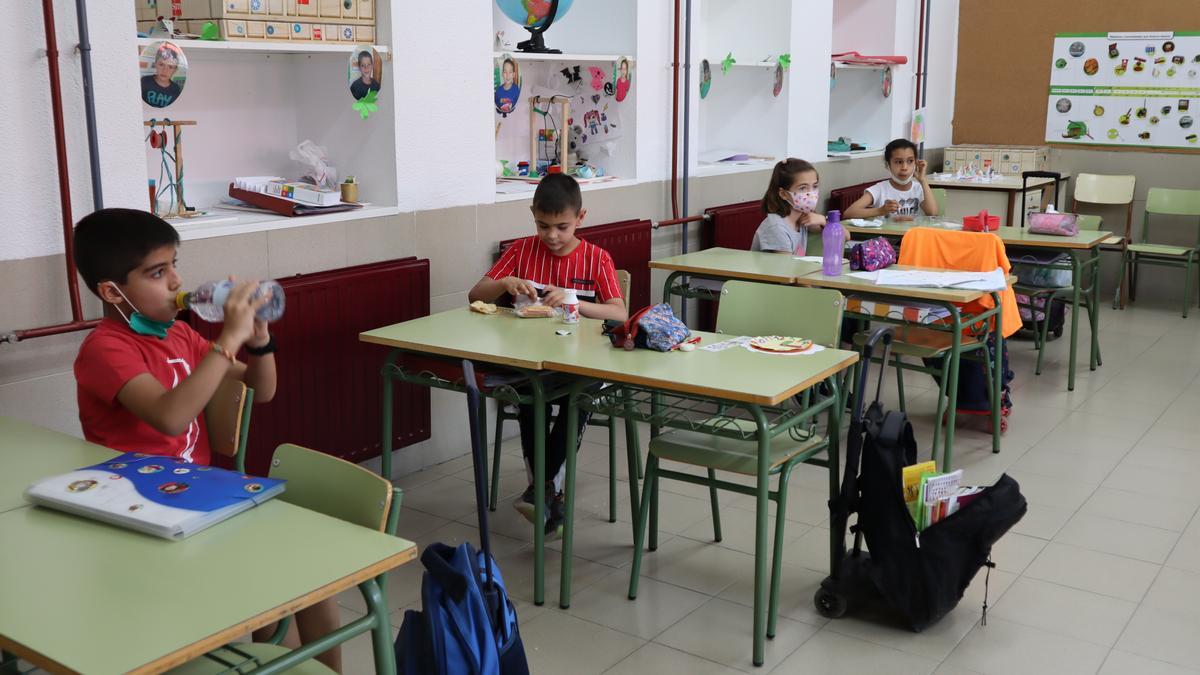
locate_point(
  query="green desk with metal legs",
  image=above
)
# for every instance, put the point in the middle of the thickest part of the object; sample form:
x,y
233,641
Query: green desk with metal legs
x,y
951,300
82,596
733,393
1085,271
503,342
30,453
725,264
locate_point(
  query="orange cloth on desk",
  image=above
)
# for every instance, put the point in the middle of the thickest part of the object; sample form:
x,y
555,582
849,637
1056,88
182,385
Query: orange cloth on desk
x,y
965,252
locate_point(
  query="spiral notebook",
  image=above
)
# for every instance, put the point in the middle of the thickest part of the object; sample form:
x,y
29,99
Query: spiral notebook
x,y
163,496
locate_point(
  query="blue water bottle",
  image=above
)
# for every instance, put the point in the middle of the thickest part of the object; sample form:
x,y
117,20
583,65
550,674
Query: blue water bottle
x,y
832,240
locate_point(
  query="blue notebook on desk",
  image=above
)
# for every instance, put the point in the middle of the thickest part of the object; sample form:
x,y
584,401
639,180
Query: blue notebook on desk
x,y
163,496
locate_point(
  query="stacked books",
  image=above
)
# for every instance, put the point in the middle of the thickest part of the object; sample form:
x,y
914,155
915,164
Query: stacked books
x,y
932,496
163,496
306,193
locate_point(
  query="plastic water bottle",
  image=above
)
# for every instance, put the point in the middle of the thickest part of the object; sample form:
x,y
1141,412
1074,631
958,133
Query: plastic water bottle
x,y
570,306
833,240
208,300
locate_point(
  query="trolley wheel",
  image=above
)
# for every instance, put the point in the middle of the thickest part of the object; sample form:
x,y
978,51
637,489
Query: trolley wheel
x,y
1058,332
829,604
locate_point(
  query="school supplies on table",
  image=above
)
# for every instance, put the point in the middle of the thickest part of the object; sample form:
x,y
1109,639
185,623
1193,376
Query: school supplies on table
x,y
974,281
306,193
285,206
163,496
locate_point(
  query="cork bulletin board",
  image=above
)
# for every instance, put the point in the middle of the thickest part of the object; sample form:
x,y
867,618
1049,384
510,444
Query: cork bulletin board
x,y
1006,55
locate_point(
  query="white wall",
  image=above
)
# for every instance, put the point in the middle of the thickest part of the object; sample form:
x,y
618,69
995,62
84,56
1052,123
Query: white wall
x,y
29,201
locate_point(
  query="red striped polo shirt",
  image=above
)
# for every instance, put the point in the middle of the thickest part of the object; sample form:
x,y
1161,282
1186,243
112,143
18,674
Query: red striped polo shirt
x,y
588,269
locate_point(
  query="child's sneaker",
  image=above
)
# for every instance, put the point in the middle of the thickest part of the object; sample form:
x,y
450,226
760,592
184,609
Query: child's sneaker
x,y
554,508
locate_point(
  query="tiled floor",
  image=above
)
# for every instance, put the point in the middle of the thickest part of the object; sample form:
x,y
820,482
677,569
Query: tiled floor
x,y
1102,575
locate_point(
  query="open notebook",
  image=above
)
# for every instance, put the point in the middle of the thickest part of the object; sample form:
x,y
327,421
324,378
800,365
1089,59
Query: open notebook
x,y
163,496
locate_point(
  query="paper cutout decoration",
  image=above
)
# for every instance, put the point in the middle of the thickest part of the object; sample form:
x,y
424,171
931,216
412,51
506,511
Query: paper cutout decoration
x,y
887,82
163,73
778,86
623,76
917,132
727,63
572,75
364,73
705,78
507,77
597,78
785,60
366,105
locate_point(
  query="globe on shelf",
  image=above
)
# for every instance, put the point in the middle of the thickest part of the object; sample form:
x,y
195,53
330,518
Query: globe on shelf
x,y
535,16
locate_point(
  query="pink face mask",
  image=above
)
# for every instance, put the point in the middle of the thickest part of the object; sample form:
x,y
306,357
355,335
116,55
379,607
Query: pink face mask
x,y
804,202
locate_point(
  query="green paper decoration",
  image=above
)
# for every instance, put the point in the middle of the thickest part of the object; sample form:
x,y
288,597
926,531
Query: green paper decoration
x,y
727,63
210,32
785,60
366,105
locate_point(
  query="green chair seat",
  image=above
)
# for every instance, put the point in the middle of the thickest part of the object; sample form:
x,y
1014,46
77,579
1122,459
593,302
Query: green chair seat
x,y
731,454
924,343
1160,249
245,658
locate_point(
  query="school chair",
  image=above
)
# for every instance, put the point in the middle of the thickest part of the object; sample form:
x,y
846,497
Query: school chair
x,y
1165,202
940,195
746,308
338,489
929,343
1049,296
507,413
227,418
1092,188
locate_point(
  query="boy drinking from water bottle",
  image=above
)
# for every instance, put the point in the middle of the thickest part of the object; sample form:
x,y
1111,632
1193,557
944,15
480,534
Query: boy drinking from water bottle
x,y
542,268
142,378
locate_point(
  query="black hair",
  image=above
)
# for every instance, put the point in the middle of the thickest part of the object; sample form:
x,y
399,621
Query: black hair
x,y
557,193
898,144
111,243
782,177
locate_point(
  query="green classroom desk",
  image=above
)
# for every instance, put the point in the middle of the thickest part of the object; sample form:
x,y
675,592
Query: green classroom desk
x,y
682,390
83,596
29,453
1006,191
502,339
724,264
951,299
1076,246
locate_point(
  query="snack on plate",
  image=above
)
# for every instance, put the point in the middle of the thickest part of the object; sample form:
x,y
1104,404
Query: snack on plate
x,y
536,312
781,345
483,307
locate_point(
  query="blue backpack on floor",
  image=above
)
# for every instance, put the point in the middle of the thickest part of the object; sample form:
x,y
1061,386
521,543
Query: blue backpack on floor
x,y
468,624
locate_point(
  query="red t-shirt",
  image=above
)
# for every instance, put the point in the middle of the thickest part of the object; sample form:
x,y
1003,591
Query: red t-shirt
x,y
112,356
588,269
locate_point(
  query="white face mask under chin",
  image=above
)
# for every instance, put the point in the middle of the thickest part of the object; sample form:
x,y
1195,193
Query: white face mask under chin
x,y
906,181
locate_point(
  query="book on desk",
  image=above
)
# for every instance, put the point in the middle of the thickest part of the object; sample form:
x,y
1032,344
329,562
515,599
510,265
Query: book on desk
x,y
163,496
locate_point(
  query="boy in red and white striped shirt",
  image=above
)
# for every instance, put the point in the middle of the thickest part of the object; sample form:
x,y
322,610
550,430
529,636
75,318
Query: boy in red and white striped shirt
x,y
541,267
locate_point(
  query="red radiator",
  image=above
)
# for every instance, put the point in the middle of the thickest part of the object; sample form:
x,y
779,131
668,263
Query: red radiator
x,y
628,242
842,198
330,391
732,225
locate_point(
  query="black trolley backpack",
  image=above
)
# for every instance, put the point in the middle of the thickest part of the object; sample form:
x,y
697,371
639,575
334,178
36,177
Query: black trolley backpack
x,y
916,578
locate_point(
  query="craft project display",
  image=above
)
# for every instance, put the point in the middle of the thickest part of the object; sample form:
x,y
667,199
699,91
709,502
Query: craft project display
x,y
705,78
365,72
163,69
1132,89
507,80
304,20
170,175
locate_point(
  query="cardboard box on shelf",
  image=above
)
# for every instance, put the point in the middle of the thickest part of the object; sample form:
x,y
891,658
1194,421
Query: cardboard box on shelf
x,y
346,34
256,29
277,30
301,31
365,34
234,28
366,9
329,9
302,8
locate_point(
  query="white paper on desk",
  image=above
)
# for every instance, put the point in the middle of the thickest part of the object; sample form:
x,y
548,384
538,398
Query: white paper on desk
x,y
869,276
972,281
859,222
726,344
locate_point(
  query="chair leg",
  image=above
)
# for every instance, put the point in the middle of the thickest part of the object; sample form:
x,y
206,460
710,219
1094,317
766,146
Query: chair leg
x,y
652,487
777,550
639,534
716,509
612,469
943,383
1043,333
495,488
1187,288
899,381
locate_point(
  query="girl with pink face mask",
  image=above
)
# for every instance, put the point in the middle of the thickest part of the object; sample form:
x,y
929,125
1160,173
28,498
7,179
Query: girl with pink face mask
x,y
789,205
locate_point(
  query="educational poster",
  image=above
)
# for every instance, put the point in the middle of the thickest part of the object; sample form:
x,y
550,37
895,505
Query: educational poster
x,y
1129,89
